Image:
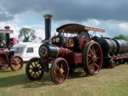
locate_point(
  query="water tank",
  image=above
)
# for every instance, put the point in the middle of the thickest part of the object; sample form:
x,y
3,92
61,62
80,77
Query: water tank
x,y
122,46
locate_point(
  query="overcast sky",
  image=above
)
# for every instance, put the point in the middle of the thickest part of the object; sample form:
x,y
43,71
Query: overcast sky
x,y
108,14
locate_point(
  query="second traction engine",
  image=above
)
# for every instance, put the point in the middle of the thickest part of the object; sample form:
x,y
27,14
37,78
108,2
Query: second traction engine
x,y
7,57
114,50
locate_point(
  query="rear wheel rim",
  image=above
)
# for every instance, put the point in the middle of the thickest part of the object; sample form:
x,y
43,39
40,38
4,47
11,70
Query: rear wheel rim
x,y
16,63
93,58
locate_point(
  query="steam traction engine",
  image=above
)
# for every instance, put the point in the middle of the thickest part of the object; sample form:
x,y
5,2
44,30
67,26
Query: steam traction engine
x,y
7,58
61,54
115,51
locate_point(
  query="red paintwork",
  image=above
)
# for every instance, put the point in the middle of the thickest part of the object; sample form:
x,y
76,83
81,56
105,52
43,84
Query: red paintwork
x,y
77,58
83,41
117,58
63,52
13,41
70,56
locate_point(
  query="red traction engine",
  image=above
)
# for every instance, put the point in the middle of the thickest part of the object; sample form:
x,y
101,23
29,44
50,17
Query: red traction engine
x,y
7,58
70,49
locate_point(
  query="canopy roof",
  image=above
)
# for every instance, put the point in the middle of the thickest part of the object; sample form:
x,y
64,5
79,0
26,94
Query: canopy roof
x,y
6,31
77,28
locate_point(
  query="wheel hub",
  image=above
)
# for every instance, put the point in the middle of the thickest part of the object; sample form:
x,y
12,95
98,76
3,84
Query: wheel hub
x,y
35,69
61,71
94,58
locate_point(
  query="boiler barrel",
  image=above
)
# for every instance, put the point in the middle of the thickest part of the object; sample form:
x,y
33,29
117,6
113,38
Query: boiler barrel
x,y
122,46
108,45
52,51
112,46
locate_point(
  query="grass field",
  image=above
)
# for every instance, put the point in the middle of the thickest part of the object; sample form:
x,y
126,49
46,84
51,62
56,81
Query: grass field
x,y
109,82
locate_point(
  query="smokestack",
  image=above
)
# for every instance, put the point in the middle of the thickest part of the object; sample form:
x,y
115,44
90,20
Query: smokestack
x,y
47,19
7,28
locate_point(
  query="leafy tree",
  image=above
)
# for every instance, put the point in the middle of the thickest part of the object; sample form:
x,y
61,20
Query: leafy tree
x,y
27,34
121,36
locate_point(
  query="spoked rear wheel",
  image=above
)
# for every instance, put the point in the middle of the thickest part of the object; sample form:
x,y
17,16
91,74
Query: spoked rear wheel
x,y
59,70
16,63
34,69
92,58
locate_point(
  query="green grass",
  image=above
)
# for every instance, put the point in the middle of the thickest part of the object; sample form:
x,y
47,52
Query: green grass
x,y
109,82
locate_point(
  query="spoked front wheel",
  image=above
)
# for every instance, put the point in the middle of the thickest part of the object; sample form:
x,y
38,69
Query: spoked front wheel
x,y
34,69
59,70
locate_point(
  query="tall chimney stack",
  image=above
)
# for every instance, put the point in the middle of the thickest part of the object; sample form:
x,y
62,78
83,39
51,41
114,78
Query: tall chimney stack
x,y
47,21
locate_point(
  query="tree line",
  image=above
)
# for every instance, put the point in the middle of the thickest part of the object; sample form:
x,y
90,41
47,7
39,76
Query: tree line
x,y
28,35
121,36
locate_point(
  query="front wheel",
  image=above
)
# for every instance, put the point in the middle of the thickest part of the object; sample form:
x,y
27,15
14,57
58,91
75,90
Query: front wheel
x,y
59,70
34,69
